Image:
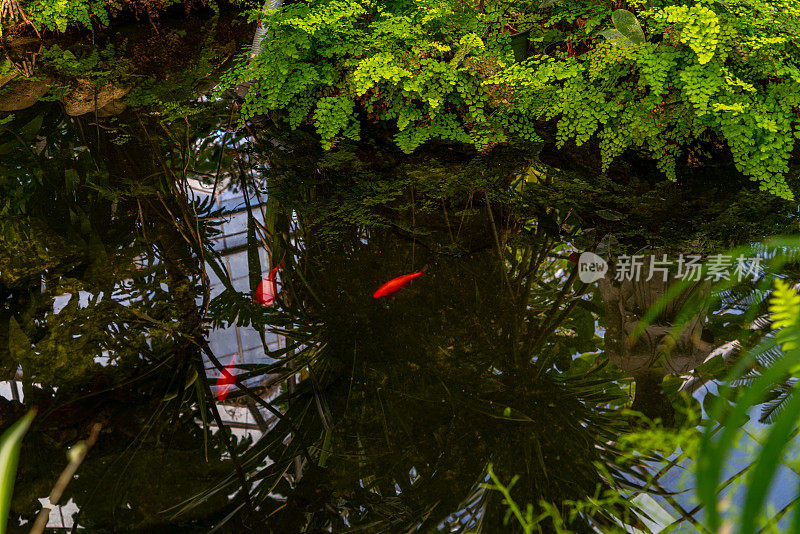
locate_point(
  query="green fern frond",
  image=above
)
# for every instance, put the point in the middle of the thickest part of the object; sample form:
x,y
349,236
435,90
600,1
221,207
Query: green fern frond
x,y
777,402
785,309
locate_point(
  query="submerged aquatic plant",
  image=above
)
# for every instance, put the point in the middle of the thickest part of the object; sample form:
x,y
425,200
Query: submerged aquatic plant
x,y
399,408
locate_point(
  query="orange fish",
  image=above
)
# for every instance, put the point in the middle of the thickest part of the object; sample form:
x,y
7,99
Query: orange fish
x,y
267,289
396,284
225,381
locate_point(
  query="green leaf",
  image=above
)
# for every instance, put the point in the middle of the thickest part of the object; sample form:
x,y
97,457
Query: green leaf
x,y
710,406
762,476
626,24
31,130
713,368
7,148
275,223
19,345
326,445
610,215
715,452
71,179
253,260
10,443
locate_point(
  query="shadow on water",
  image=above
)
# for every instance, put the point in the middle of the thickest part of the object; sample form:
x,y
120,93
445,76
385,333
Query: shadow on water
x,y
373,415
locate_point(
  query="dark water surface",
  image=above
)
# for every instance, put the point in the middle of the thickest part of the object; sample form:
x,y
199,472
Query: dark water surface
x,y
138,217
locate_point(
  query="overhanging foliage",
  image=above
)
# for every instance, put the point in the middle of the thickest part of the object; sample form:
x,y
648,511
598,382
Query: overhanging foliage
x,y
709,76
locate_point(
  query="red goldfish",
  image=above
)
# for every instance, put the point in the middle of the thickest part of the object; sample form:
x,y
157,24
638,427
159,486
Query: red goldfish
x,y
225,381
396,284
574,257
267,289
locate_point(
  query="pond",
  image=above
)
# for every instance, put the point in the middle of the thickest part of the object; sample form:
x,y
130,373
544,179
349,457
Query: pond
x,y
203,312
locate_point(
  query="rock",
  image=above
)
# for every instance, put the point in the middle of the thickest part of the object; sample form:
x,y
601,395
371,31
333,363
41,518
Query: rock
x,y
7,78
115,107
22,93
85,98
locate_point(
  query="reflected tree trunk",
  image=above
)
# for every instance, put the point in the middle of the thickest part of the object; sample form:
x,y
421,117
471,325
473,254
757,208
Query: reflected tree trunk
x,y
671,344
11,9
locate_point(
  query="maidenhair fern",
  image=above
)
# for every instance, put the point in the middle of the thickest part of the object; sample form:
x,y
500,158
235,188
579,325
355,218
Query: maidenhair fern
x,y
711,72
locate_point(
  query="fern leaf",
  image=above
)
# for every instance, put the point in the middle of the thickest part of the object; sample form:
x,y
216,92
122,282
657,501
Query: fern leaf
x,y
785,309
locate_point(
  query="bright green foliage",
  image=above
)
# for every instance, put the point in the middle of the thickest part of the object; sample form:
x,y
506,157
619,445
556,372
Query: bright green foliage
x,y
702,77
10,444
60,14
697,26
717,442
332,116
785,309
